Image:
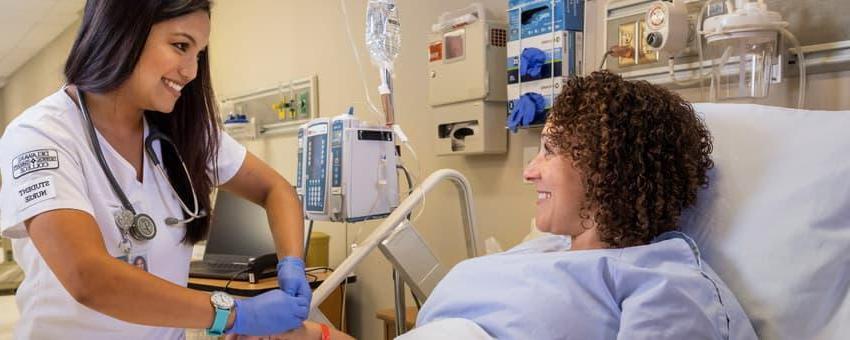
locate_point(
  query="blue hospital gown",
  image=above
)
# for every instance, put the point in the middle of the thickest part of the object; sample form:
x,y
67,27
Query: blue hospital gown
x,y
538,290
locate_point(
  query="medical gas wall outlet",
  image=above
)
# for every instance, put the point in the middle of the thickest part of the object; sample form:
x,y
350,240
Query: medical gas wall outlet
x,y
346,170
467,83
239,126
667,26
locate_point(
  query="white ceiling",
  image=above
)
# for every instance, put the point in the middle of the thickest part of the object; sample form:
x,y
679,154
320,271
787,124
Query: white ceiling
x,y
29,25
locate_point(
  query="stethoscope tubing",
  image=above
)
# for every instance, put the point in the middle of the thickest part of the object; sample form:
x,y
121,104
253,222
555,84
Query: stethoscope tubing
x,y
98,152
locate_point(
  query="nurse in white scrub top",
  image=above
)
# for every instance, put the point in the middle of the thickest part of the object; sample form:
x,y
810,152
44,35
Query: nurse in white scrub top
x,y
103,236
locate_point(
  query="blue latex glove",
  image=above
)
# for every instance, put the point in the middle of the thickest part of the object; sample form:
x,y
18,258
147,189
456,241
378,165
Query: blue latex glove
x,y
538,114
531,62
516,114
269,313
527,109
292,279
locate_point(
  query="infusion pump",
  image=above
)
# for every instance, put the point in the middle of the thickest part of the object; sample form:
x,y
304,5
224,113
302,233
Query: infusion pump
x,y
346,170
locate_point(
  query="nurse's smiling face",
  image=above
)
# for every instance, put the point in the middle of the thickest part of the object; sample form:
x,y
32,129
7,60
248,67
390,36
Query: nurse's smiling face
x,y
560,191
169,61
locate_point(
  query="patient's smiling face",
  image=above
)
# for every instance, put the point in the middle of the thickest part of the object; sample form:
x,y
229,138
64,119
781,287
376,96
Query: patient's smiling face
x,y
560,191
560,194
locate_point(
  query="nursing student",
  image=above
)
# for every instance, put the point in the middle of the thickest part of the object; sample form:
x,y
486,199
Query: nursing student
x,y
116,168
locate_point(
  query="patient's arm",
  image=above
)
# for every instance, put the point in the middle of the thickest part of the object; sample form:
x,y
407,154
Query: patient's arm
x,y
309,331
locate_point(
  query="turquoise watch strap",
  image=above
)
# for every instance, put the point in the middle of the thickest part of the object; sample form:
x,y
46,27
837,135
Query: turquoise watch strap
x,y
219,322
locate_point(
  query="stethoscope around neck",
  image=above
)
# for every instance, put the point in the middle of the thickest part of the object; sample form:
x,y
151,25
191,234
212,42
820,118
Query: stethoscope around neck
x,y
140,226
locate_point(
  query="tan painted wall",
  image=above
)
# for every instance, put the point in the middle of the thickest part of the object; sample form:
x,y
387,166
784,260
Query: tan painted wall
x,y
39,77
258,43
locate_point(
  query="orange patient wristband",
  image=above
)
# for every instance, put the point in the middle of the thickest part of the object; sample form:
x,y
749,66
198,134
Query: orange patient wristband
x,y
326,332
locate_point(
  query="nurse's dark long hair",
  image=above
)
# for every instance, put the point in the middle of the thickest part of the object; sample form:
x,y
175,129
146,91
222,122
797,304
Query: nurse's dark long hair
x,y
111,38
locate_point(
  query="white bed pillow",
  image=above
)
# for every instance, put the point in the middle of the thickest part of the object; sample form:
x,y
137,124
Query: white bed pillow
x,y
775,220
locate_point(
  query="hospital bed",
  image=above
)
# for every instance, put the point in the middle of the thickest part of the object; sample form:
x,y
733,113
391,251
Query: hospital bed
x,y
414,263
774,222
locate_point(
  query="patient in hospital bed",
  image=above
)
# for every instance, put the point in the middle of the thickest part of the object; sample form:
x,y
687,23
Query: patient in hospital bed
x,y
618,163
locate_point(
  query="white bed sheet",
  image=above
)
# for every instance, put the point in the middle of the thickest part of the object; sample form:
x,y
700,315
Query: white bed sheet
x,y
450,328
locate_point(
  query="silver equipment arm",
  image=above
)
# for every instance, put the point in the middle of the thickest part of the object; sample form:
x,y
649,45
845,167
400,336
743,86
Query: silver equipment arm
x,y
396,217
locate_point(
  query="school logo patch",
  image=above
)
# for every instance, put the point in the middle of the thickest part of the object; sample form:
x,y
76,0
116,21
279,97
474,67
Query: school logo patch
x,y
34,161
36,190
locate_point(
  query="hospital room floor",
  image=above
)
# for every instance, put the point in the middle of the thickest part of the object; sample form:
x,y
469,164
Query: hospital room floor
x,y
8,316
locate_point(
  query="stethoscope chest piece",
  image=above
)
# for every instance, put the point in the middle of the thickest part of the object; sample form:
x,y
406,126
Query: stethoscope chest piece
x,y
140,227
144,228
124,219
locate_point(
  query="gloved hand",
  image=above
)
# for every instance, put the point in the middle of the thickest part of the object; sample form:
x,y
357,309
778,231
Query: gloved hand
x,y
292,279
269,313
531,62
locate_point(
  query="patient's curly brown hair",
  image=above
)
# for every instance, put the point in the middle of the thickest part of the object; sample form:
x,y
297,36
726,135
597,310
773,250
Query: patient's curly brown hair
x,y
641,149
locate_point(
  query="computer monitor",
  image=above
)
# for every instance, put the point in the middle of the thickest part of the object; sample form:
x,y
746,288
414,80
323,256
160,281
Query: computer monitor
x,y
239,231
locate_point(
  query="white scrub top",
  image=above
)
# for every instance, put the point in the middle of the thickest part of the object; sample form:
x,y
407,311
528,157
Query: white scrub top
x,y
47,163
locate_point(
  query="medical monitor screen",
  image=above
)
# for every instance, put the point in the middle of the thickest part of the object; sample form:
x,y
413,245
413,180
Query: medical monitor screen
x,y
316,148
239,229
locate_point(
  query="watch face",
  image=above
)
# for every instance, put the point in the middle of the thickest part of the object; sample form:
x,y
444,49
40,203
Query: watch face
x,y
222,300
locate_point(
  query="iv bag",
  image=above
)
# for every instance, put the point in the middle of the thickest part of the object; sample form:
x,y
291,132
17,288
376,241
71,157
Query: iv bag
x,y
383,35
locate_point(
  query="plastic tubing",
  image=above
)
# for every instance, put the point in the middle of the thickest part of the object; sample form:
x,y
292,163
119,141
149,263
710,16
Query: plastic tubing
x,y
801,61
357,59
700,78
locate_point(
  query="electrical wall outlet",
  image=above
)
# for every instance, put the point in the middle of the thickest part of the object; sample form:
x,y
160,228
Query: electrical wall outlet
x,y
627,37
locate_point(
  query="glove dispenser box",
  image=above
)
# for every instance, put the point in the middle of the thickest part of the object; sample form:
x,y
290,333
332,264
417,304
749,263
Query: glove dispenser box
x,y
467,86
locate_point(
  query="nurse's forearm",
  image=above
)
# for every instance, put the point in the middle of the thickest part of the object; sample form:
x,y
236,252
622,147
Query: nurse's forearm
x,y
129,294
285,219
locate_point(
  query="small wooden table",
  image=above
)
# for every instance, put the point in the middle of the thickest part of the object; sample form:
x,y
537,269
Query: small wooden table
x,y
331,307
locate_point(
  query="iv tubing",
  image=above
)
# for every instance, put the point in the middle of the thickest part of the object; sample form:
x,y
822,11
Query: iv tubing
x,y
386,90
372,106
357,58
700,75
801,61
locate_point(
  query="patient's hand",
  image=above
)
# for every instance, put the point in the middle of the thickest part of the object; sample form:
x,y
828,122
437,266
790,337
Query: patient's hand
x,y
308,331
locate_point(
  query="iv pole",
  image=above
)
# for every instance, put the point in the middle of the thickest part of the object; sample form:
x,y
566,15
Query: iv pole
x,y
398,216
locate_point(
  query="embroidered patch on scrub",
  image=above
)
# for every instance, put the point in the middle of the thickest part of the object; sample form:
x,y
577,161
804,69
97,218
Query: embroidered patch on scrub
x,y
33,161
35,191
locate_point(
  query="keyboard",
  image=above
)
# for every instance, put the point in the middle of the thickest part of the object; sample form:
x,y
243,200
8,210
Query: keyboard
x,y
224,271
